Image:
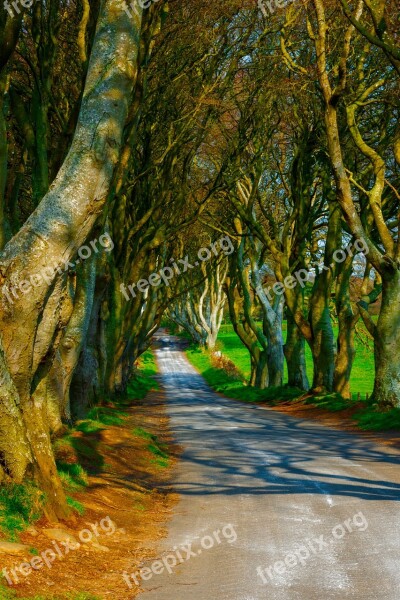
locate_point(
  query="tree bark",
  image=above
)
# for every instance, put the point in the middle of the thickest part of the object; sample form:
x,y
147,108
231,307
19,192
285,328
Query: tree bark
x,y
295,355
63,221
387,346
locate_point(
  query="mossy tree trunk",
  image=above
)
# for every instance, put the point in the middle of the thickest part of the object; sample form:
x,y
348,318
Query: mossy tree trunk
x,y
61,224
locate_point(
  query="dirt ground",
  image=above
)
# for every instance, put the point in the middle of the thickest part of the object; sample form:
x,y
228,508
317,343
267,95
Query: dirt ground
x,y
131,488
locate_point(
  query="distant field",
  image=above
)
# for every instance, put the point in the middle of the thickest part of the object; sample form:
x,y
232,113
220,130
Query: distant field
x,y
362,378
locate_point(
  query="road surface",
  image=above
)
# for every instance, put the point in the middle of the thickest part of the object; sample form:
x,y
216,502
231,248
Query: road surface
x,y
272,507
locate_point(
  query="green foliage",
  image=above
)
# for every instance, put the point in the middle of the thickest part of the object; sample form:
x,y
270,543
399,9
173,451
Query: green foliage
x,y
100,417
75,505
148,365
333,402
146,435
173,329
157,450
371,420
72,475
170,325
143,380
155,446
20,505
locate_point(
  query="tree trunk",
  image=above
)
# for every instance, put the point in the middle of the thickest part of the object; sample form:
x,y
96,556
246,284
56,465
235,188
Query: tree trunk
x,y
40,171
88,379
63,221
3,161
262,380
15,453
322,348
344,356
387,346
295,355
345,341
323,342
253,371
77,328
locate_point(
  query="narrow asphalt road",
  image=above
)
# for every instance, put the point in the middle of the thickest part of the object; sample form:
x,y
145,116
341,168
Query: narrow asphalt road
x,y
272,507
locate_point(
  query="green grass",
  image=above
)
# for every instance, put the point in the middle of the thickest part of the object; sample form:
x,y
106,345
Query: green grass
x,y
73,476
83,453
101,417
20,505
144,380
333,402
9,594
233,387
74,479
371,420
107,416
155,446
362,376
157,450
368,418
75,505
142,433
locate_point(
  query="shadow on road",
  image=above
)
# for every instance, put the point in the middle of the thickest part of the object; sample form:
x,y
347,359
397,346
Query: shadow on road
x,y
249,450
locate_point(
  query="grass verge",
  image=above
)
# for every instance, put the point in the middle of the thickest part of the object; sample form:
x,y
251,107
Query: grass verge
x,y
365,414
144,380
235,386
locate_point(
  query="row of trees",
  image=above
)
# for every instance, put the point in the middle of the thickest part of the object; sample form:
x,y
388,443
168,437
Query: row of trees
x,y
101,120
164,131
313,168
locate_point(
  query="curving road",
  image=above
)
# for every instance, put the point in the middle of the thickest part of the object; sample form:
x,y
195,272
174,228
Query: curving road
x,y
272,507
